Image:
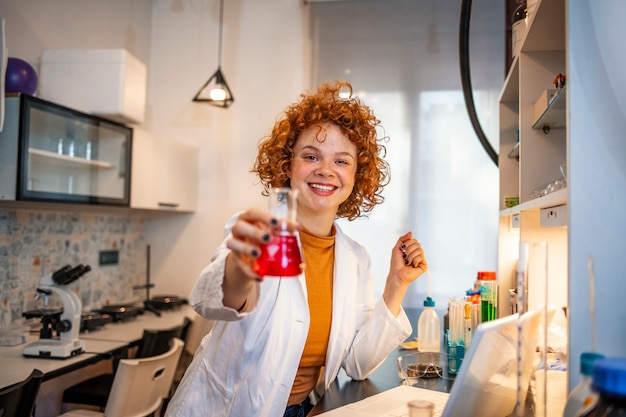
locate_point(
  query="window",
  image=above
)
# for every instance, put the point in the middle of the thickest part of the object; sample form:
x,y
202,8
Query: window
x,y
402,58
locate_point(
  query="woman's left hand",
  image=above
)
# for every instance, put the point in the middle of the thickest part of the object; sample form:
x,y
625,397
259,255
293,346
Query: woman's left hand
x,y
408,263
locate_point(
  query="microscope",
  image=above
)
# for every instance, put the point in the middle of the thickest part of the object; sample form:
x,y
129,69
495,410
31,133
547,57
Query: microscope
x,y
58,337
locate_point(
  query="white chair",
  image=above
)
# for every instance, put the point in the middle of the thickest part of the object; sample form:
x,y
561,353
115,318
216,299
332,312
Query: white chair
x,y
94,392
139,385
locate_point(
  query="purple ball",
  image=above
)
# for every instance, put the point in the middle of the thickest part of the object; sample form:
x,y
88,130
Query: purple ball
x,y
20,77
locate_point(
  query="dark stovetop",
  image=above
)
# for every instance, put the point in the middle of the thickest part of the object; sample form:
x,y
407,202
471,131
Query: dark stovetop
x,y
120,312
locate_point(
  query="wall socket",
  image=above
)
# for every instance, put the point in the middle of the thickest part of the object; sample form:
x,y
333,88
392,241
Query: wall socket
x,y
109,257
515,221
556,216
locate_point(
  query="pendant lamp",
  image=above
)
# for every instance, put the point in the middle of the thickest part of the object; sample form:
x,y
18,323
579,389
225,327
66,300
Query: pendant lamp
x,y
216,91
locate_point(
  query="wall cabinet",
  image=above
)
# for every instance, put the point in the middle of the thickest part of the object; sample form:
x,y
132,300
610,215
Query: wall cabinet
x,y
164,173
53,153
533,158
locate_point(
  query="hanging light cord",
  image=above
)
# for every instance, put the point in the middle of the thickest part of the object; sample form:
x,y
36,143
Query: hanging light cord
x,y
219,45
220,94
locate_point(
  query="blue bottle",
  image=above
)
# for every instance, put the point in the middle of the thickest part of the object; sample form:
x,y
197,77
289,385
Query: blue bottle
x,y
609,379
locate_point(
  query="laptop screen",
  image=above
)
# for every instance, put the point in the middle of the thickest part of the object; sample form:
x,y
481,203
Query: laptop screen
x,y
487,383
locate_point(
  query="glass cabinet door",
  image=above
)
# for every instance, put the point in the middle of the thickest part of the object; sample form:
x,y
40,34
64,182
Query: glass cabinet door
x,y
66,155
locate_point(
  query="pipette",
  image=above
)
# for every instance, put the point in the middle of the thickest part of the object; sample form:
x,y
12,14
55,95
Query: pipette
x,y
467,336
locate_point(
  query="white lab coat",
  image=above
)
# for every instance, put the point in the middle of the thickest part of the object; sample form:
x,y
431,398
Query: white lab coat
x,y
247,364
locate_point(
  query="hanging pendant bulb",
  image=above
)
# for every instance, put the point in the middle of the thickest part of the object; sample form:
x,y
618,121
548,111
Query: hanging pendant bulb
x,y
217,94
216,91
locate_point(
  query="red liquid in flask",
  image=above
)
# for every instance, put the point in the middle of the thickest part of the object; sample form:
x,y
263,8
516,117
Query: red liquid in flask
x,y
280,258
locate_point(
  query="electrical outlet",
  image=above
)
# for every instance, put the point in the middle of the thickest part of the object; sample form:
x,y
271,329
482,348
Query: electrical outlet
x,y
109,257
515,221
556,216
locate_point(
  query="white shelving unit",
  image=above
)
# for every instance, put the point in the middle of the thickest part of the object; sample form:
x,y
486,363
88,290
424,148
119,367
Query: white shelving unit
x,y
582,127
532,152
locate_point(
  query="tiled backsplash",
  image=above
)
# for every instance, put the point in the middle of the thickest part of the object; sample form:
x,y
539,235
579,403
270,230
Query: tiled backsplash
x,y
34,243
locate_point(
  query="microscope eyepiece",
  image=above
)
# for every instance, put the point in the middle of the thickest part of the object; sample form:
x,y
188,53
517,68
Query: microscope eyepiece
x,y
67,274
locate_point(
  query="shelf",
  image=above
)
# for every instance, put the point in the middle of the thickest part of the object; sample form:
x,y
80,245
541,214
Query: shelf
x,y
553,199
510,90
554,115
70,160
514,154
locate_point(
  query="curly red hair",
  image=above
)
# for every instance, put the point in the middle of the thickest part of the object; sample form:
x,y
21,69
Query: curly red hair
x,y
357,122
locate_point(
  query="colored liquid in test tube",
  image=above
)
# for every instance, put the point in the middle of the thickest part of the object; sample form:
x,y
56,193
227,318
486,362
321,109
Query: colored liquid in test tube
x,y
488,295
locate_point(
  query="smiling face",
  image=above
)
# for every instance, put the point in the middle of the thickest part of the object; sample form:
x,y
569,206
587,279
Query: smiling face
x,y
323,170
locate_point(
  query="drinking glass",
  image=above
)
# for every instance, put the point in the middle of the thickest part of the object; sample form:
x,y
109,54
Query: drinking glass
x,y
281,257
420,408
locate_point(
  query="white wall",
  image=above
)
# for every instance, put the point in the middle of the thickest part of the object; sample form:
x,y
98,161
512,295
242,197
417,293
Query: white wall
x,y
34,25
263,61
265,50
597,151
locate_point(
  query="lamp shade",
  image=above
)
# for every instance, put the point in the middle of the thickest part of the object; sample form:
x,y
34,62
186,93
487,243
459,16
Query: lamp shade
x,y
215,91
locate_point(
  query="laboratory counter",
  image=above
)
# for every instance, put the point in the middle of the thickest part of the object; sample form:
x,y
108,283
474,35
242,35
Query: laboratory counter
x,y
102,347
344,390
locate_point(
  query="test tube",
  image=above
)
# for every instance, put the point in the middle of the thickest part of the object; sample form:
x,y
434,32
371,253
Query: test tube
x,y
488,295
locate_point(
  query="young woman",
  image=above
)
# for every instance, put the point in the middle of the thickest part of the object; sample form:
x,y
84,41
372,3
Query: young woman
x,y
279,342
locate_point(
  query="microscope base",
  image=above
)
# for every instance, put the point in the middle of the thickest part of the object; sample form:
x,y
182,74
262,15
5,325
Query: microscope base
x,y
53,349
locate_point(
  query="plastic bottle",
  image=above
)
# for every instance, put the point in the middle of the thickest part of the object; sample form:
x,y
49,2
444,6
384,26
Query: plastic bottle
x,y
429,328
583,396
609,379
